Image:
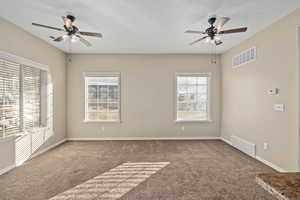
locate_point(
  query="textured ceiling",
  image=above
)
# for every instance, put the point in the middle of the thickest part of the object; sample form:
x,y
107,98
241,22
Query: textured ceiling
x,y
145,26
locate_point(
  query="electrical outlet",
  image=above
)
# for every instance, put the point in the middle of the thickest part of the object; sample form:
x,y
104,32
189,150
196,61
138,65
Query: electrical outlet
x,y
279,107
273,91
266,146
182,128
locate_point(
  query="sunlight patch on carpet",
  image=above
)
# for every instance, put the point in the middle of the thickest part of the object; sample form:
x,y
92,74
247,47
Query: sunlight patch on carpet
x,y
114,183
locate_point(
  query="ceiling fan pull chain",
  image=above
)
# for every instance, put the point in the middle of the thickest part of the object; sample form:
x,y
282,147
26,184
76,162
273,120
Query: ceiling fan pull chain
x,y
70,50
213,56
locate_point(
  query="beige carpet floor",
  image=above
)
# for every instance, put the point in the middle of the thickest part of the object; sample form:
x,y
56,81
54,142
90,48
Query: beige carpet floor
x,y
197,170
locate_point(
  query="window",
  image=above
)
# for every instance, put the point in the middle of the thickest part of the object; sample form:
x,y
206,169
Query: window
x,y
9,98
102,97
31,97
192,97
21,99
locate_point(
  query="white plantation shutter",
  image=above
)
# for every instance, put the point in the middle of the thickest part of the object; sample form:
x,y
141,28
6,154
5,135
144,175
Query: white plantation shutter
x,y
9,98
31,98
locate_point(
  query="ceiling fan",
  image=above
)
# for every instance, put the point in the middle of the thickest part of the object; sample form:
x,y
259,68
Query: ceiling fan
x,y
215,30
71,31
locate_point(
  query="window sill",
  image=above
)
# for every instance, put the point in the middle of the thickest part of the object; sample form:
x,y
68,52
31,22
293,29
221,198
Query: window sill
x,y
33,131
19,135
102,121
193,121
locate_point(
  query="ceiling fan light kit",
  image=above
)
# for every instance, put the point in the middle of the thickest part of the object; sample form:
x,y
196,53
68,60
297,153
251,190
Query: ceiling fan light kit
x,y
74,38
65,37
71,32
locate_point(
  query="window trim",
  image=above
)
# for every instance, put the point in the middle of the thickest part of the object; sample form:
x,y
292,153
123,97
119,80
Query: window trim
x,y
101,74
199,74
49,106
23,61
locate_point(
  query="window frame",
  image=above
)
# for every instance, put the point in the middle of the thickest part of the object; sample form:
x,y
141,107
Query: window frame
x,y
193,74
46,108
87,75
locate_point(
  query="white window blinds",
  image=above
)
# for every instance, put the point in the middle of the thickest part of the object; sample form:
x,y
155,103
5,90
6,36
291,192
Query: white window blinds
x,y
9,98
20,98
31,97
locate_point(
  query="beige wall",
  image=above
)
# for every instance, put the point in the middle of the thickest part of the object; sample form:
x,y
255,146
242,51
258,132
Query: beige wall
x,y
7,154
147,95
148,92
247,109
18,42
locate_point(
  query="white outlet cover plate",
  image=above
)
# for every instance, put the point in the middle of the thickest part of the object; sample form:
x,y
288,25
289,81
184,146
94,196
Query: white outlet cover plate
x,y
279,107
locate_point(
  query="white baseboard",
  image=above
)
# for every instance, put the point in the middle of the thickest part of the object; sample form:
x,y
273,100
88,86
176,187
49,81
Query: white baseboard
x,y
226,141
2,171
142,138
47,149
163,138
270,164
21,162
260,159
40,152
7,169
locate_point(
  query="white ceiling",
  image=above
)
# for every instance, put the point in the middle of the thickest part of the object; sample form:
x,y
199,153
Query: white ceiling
x,y
145,26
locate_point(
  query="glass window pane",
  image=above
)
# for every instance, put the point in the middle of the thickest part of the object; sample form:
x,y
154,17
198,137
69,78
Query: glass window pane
x,y
93,116
113,116
92,92
113,107
92,107
9,98
102,107
21,108
105,94
113,94
31,97
102,116
192,97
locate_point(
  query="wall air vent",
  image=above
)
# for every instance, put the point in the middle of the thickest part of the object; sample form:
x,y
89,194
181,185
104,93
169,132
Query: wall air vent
x,y
243,145
244,57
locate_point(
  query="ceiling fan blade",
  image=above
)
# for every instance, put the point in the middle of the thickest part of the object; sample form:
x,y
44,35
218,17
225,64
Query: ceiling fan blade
x,y
91,34
50,27
198,40
196,32
221,22
57,39
236,30
84,41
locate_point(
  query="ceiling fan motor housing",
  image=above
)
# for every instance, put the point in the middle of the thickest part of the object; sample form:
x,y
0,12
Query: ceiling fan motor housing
x,y
72,30
71,17
212,20
211,32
